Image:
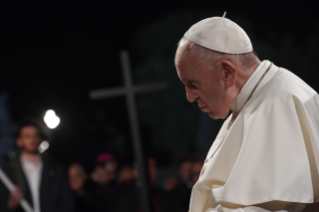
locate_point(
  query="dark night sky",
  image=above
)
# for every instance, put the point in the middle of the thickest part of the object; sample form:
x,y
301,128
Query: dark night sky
x,y
54,53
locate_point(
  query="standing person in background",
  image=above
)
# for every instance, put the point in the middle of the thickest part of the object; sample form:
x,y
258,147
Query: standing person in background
x,y
128,190
158,197
38,179
184,170
104,184
173,202
85,199
183,190
126,177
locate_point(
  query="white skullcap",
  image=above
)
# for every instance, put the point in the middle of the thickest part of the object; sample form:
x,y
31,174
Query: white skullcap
x,y
220,34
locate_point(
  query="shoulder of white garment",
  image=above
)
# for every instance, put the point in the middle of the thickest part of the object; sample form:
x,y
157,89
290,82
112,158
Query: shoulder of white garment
x,y
283,86
271,151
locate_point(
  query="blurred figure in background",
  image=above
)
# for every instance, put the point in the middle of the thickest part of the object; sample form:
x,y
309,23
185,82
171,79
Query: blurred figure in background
x,y
128,191
155,193
126,177
85,199
173,203
170,184
152,172
111,168
38,179
184,187
185,169
159,199
103,177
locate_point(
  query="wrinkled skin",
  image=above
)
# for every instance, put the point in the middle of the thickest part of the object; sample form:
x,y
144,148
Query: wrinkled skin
x,y
214,87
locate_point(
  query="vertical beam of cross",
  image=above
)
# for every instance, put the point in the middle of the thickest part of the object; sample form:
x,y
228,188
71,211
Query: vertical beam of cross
x,y
129,90
135,129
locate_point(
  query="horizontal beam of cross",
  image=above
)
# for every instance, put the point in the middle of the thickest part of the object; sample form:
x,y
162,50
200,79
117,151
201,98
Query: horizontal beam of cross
x,y
119,91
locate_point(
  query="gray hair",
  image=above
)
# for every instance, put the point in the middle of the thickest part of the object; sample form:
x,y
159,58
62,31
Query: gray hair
x,y
246,60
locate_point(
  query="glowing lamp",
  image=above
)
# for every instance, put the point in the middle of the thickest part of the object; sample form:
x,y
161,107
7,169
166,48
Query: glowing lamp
x,y
51,119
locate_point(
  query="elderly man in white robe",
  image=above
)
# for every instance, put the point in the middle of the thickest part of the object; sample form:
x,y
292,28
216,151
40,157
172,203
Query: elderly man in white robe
x,y
266,155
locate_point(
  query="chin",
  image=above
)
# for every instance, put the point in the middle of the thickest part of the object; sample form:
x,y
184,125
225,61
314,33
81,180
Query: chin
x,y
216,116
213,116
33,151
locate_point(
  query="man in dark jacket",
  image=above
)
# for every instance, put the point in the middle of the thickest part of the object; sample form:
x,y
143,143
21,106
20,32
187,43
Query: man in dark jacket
x,y
37,178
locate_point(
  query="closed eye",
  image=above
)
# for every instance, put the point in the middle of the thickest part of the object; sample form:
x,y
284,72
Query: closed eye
x,y
191,85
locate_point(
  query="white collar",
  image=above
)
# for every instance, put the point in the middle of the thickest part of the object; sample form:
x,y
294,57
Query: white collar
x,y
246,90
25,161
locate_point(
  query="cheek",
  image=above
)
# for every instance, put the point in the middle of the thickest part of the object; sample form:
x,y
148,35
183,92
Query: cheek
x,y
214,96
216,99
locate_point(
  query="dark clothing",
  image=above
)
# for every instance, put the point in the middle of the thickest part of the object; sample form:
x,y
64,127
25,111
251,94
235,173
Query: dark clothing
x,y
183,194
108,193
165,201
160,200
55,195
128,200
87,202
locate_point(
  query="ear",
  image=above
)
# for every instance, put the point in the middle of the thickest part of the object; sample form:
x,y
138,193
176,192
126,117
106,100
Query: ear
x,y
229,71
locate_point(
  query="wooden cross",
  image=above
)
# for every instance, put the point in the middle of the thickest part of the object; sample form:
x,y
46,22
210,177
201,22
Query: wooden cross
x,y
129,90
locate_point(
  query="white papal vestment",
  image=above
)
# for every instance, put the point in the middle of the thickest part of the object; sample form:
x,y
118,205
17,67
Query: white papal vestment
x,y
267,160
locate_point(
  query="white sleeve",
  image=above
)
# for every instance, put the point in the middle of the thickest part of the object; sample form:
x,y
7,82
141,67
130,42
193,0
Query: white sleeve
x,y
297,207
245,209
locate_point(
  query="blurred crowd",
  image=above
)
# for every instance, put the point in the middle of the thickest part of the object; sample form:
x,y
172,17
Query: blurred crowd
x,y
110,187
113,188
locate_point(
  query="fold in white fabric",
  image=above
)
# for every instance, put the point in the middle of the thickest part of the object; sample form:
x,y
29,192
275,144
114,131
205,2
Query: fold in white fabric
x,y
296,207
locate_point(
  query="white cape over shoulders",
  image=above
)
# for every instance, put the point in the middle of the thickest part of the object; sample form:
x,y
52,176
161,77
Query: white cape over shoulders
x,y
270,152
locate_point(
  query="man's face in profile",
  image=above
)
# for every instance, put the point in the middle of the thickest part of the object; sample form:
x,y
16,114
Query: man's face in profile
x,y
29,139
203,85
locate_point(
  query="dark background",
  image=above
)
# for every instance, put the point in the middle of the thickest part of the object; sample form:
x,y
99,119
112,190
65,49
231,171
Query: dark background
x,y
54,53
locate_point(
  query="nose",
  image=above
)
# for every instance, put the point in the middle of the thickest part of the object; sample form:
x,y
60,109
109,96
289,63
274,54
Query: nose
x,y
191,97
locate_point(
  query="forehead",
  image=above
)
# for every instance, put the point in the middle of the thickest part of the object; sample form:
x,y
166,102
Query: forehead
x,y
190,68
75,168
29,129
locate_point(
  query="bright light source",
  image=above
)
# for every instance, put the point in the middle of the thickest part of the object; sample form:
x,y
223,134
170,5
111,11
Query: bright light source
x,y
43,146
51,120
